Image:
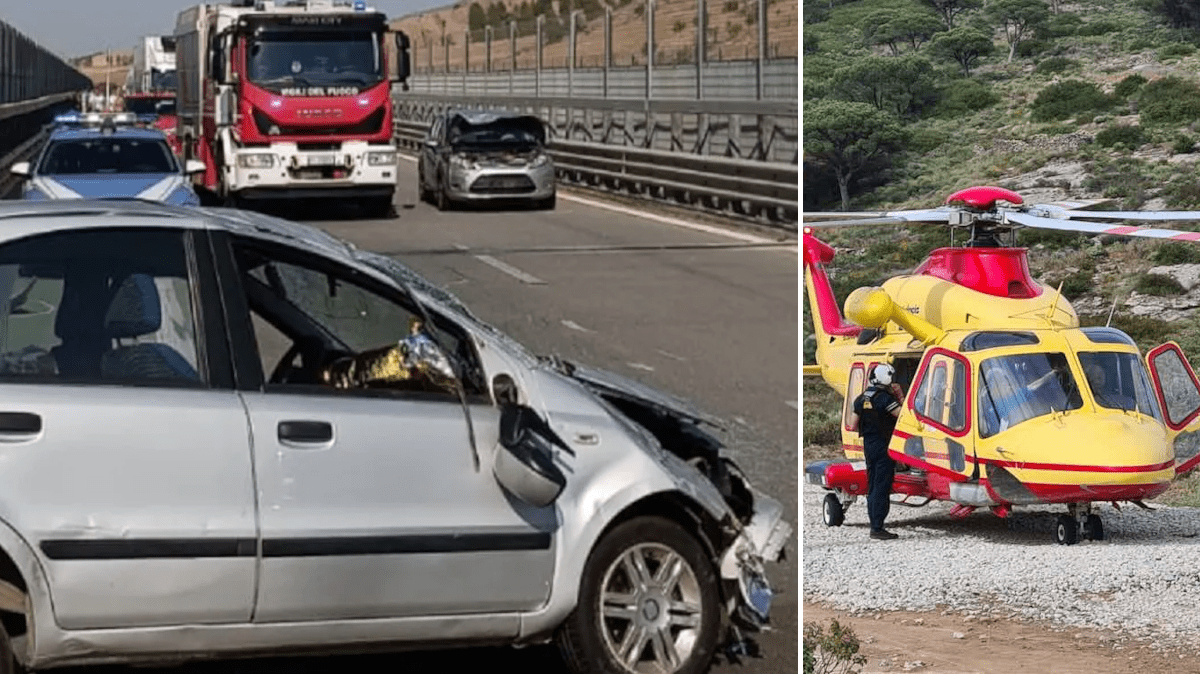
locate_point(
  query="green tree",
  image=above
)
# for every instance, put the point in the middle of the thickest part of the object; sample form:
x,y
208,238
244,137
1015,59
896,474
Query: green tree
x,y
1019,18
948,9
476,17
1180,13
847,137
497,13
964,45
903,85
895,27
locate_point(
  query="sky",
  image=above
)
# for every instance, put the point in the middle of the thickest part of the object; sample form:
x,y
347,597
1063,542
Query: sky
x,y
71,28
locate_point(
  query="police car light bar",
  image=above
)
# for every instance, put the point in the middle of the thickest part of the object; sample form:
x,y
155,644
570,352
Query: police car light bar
x,y
94,119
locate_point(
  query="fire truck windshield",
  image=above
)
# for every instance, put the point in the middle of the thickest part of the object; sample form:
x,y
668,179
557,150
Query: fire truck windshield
x,y
292,62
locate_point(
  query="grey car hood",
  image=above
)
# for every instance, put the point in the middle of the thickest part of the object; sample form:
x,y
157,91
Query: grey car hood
x,y
608,383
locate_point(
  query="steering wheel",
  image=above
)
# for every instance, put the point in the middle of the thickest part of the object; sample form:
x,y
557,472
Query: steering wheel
x,y
312,354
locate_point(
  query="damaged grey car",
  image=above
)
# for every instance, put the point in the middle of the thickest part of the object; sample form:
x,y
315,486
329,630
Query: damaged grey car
x,y
474,156
225,434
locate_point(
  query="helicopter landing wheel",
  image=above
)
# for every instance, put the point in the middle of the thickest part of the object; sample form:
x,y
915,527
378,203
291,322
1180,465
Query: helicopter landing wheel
x,y
831,511
1066,530
1093,528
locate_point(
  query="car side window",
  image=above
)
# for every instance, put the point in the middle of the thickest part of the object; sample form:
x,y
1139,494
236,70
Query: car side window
x,y
110,307
318,323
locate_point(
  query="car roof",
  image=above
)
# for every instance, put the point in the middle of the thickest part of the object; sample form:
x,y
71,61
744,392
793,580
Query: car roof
x,y
76,133
19,219
485,116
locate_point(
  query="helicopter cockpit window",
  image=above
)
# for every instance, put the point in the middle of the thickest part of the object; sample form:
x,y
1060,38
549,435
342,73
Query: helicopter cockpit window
x,y
988,339
1020,387
1118,380
1104,335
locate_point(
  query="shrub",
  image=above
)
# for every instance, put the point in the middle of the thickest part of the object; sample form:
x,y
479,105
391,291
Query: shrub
x,y
1170,100
1140,43
1097,28
732,6
1176,253
1183,145
1074,284
1028,48
1066,98
1060,25
822,427
923,140
964,96
832,652
1176,49
1157,284
1055,64
1128,86
1132,136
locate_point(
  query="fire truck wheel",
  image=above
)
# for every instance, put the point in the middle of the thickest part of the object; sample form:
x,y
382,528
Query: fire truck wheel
x,y
1093,528
831,511
1066,530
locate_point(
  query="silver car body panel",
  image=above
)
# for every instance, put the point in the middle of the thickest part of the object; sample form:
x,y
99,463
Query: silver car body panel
x,y
245,603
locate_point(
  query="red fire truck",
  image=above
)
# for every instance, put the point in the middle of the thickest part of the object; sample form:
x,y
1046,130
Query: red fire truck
x,y
286,100
150,86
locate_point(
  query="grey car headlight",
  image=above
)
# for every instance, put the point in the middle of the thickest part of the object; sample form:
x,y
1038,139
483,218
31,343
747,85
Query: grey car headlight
x,y
541,160
256,161
381,158
460,162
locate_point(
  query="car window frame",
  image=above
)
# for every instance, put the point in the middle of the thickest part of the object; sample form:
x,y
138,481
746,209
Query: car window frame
x,y
249,372
160,138
212,361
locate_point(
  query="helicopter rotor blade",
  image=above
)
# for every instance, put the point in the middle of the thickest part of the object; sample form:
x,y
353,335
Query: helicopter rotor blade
x,y
1040,222
847,219
1133,215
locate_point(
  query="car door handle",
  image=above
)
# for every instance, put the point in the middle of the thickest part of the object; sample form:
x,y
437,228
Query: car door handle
x,y
19,426
305,431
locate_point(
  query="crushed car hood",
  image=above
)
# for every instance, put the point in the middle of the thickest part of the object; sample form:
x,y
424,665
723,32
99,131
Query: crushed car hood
x,y
607,383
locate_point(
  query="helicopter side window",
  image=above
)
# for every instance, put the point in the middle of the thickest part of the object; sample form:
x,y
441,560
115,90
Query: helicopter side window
x,y
1118,380
941,394
1020,387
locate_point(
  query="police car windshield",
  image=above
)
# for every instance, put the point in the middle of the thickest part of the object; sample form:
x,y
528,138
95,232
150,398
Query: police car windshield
x,y
284,59
108,155
1020,387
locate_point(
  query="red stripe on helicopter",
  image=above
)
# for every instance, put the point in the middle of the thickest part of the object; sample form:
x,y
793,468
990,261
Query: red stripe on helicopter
x,y
1080,467
1124,229
1188,236
1061,494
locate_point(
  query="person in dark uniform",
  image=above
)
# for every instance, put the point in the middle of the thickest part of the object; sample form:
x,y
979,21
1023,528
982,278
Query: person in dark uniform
x,y
875,413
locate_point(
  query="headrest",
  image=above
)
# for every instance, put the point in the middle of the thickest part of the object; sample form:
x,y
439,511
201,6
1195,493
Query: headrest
x,y
135,309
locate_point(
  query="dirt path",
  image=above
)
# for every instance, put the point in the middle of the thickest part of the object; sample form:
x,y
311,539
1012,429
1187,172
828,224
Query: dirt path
x,y
925,642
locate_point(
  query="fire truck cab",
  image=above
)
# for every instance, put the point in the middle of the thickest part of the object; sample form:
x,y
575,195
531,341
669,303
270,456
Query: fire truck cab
x,y
290,100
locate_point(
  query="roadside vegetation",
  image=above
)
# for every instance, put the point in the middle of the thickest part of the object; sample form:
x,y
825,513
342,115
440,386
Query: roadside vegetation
x,y
907,101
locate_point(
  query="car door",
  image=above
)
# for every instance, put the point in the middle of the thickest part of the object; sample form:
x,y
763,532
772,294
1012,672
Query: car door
x,y
429,158
124,445
371,503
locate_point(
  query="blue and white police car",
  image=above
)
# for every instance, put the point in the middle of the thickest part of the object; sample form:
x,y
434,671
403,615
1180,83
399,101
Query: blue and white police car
x,y
95,156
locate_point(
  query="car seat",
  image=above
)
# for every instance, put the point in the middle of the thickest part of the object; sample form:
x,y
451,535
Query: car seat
x,y
79,322
136,310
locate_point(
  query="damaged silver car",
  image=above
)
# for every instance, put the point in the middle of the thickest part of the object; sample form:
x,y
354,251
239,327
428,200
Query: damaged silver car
x,y
484,156
225,434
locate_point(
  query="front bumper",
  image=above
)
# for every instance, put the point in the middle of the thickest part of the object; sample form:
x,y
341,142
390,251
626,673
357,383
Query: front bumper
x,y
761,541
485,183
291,172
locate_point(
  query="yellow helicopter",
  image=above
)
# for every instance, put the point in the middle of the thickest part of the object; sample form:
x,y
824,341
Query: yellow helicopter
x,y
1009,401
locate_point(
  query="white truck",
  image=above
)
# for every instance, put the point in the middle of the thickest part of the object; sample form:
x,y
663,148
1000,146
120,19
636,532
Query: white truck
x,y
153,67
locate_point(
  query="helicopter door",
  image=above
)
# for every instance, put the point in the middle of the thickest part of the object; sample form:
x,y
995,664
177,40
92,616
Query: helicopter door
x,y
851,441
937,436
1178,393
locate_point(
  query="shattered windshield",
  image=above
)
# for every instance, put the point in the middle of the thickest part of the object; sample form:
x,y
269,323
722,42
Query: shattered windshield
x,y
288,58
508,131
1118,380
1020,387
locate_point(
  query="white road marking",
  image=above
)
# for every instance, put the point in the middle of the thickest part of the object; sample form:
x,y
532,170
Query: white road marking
x,y
670,355
574,326
509,269
699,227
793,404
641,366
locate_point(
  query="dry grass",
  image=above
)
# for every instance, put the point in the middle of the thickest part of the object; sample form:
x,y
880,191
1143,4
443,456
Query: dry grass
x,y
731,36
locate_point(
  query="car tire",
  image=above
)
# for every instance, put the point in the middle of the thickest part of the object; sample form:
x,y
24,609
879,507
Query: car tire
x,y
8,661
379,207
548,203
443,198
676,624
422,191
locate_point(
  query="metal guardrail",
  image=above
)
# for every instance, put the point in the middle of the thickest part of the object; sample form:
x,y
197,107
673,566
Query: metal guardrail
x,y
21,107
763,190
24,152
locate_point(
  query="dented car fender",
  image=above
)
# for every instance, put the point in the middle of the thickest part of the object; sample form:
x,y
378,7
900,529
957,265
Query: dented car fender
x,y
39,604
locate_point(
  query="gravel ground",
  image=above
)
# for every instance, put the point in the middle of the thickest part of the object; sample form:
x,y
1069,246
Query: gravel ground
x,y
1142,580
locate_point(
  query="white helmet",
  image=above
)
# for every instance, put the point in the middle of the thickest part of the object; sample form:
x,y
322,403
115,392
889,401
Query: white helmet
x,y
882,374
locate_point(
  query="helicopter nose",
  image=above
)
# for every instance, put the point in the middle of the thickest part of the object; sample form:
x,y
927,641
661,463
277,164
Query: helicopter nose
x,y
1083,457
